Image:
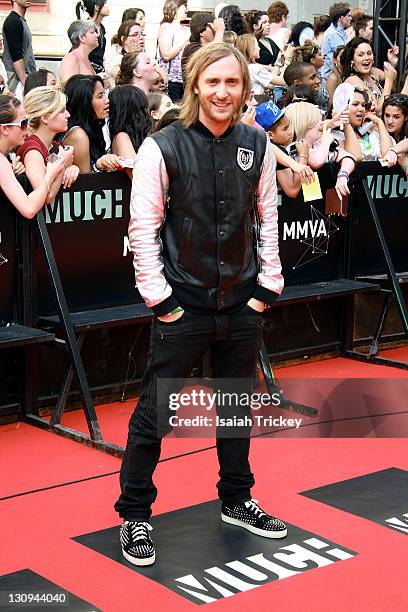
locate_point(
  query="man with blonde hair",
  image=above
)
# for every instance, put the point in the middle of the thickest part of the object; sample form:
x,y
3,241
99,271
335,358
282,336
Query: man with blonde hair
x,y
198,186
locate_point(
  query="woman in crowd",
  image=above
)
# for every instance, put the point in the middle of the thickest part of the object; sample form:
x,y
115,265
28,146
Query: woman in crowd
x,y
84,39
321,24
89,108
336,76
395,116
369,130
129,120
41,78
359,70
96,10
137,69
48,116
13,131
262,77
128,39
135,14
158,105
259,26
233,19
172,38
307,124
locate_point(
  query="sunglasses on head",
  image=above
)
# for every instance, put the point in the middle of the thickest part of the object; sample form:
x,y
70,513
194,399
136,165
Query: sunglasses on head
x,y
23,123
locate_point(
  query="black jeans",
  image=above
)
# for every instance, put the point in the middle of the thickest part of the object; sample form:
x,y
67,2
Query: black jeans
x,y
175,348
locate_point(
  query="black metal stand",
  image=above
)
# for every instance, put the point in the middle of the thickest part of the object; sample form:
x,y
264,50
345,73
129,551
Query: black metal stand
x,y
77,369
395,292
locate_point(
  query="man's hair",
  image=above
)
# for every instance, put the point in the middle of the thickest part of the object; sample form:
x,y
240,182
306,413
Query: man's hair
x,y
340,9
198,24
204,57
321,23
294,71
276,11
245,44
361,23
77,29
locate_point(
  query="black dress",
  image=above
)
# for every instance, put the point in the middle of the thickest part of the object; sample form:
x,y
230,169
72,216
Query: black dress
x,y
266,56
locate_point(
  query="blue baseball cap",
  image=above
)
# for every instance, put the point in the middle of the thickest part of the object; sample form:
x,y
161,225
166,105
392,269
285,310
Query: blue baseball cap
x,y
267,114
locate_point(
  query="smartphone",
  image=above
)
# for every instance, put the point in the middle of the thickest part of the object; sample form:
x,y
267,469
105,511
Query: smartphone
x,y
52,158
363,129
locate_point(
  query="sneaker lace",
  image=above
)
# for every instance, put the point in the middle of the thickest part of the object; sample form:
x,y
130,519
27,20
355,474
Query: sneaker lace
x,y
252,505
139,531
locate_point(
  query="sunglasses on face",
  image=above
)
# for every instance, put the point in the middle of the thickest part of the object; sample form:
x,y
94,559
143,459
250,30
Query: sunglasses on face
x,y
23,123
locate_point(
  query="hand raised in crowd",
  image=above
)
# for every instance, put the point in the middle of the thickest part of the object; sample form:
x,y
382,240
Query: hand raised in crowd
x,y
249,116
390,74
218,25
371,116
339,120
109,162
392,56
17,165
70,176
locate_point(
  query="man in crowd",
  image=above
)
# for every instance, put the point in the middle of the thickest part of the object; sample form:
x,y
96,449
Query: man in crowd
x,y
197,186
302,73
18,54
277,14
335,35
204,28
363,27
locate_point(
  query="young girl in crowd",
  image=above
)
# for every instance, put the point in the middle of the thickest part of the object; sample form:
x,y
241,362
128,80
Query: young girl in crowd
x,y
172,38
158,105
89,108
262,77
96,10
129,38
375,141
13,131
137,69
359,70
40,78
306,122
395,116
48,116
129,121
84,39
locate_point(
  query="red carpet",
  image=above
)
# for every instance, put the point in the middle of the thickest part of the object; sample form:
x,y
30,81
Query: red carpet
x,y
36,528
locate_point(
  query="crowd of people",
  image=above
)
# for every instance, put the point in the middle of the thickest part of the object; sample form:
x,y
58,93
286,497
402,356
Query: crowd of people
x,y
110,94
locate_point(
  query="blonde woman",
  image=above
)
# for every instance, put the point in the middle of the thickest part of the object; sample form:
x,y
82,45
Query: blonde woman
x,y
48,116
262,77
172,38
306,122
13,130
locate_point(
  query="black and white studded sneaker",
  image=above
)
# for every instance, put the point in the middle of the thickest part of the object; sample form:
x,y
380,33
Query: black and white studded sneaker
x,y
137,545
250,516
